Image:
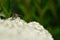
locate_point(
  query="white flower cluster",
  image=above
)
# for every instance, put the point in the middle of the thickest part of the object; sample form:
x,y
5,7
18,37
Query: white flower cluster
x,y
18,29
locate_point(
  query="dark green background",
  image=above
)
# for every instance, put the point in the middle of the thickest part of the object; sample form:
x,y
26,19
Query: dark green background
x,y
46,12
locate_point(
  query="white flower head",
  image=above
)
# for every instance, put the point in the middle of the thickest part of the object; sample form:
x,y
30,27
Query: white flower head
x,y
18,29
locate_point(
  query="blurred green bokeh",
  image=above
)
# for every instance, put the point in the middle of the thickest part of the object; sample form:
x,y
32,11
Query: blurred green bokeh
x,y
46,12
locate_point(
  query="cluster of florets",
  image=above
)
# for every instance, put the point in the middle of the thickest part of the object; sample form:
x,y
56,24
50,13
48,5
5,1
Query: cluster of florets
x,y
18,29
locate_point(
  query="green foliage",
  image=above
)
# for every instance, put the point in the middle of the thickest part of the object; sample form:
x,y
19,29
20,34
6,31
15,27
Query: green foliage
x,y
5,4
46,12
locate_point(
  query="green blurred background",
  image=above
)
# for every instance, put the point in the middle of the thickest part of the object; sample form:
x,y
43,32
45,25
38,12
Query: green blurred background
x,y
46,12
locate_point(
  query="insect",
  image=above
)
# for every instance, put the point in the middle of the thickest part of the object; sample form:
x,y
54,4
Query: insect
x,y
14,16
